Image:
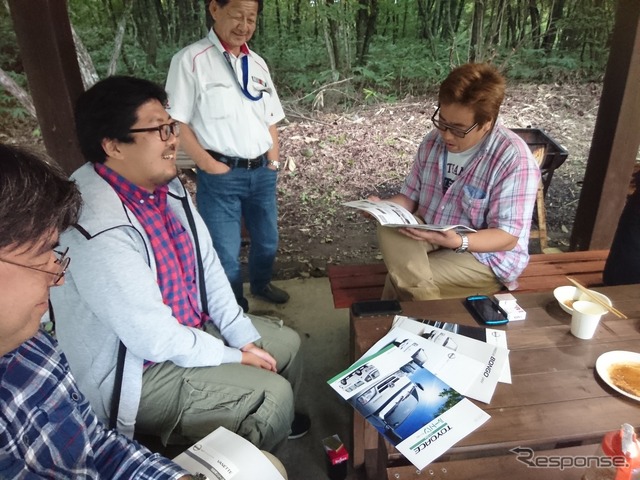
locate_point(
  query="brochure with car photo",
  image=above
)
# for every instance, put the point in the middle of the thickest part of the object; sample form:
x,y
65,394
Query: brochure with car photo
x,y
414,409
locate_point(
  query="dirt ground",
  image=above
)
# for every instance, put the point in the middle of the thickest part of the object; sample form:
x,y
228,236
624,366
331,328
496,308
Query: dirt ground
x,y
330,158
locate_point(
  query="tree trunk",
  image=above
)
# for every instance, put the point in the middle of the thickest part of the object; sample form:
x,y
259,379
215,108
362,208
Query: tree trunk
x,y
494,35
120,30
18,92
297,21
365,26
475,46
551,33
331,52
331,38
536,31
87,69
278,19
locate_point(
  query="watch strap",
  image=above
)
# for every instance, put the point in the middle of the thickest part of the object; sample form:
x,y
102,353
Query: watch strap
x,y
465,243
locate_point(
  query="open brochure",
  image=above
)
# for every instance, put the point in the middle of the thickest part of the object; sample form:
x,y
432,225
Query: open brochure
x,y
224,455
391,214
467,365
438,331
407,403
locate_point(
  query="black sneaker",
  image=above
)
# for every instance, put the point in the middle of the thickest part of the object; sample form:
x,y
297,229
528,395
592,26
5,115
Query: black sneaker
x,y
272,294
244,303
300,426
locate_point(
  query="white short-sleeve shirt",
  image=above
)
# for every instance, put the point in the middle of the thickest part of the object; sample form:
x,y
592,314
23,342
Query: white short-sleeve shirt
x,y
205,92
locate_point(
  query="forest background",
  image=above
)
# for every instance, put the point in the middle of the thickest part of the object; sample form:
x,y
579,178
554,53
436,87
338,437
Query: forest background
x,y
343,66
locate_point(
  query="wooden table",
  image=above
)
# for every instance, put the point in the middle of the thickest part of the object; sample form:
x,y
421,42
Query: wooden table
x,y
556,402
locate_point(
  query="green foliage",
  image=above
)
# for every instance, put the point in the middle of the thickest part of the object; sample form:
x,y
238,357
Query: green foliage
x,y
9,54
9,106
533,65
412,48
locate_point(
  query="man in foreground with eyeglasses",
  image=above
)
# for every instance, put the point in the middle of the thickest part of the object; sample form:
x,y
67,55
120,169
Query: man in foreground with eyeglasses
x,y
47,427
146,317
223,94
469,170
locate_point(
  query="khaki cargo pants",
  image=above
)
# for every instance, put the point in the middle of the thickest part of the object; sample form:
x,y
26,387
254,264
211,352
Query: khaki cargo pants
x,y
183,405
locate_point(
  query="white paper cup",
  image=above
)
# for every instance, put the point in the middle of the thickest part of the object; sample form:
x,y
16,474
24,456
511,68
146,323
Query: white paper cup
x,y
585,318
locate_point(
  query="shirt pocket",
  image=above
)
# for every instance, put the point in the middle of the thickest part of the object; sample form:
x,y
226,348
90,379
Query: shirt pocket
x,y
475,203
61,425
216,101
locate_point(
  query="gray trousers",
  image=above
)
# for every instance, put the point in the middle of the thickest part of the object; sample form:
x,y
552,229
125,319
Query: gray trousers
x,y
183,405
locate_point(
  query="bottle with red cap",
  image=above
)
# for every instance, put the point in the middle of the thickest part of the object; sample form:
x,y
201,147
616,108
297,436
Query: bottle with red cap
x,y
620,457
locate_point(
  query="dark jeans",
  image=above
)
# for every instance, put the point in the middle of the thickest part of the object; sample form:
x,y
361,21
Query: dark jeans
x,y
223,200
623,263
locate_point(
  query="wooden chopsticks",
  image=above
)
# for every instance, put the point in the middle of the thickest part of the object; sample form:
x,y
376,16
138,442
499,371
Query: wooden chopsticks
x,y
596,299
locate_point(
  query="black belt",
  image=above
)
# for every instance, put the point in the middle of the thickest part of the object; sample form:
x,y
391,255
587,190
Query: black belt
x,y
238,162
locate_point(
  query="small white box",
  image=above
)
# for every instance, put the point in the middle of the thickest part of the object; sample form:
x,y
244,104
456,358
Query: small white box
x,y
505,300
514,312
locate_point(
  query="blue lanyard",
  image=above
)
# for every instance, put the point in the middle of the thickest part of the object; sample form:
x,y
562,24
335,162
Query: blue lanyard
x,y
245,76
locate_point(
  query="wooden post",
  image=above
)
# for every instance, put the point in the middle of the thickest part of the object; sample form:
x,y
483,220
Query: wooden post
x,y
615,139
49,59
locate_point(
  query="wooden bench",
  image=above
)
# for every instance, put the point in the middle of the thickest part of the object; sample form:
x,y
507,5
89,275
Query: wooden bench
x,y
354,283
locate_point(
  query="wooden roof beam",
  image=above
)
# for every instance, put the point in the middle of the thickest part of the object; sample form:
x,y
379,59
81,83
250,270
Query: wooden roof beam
x,y
616,137
48,55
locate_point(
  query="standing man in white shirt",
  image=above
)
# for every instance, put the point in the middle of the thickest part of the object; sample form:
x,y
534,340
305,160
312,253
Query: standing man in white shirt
x,y
222,93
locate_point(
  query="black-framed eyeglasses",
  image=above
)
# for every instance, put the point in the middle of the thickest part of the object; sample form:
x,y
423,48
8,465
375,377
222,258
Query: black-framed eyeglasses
x,y
442,126
165,130
62,261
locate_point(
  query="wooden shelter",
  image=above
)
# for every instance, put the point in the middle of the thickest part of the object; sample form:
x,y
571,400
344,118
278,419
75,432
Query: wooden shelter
x,y
48,55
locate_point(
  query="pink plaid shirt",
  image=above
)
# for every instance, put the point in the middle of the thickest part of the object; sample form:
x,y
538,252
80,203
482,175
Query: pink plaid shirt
x,y
172,247
497,189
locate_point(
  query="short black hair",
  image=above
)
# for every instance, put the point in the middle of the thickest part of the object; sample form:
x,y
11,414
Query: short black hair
x,y
37,197
108,110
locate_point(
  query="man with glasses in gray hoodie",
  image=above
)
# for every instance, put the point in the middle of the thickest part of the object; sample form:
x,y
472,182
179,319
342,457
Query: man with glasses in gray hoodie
x,y
146,317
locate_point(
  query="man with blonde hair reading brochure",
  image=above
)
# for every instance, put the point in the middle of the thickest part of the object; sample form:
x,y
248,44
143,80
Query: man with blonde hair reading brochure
x,y
47,427
469,170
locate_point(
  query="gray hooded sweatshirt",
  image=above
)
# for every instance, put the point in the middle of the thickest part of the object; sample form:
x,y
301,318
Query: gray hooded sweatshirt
x,y
111,294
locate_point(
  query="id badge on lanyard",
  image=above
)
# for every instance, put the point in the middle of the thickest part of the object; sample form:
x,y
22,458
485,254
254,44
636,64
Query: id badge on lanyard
x,y
245,76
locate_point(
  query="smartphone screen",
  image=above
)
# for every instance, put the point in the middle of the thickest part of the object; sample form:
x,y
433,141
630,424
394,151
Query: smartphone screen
x,y
486,310
376,307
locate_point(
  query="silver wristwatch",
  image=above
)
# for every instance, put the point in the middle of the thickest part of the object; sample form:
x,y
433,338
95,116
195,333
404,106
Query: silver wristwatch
x,y
465,244
275,163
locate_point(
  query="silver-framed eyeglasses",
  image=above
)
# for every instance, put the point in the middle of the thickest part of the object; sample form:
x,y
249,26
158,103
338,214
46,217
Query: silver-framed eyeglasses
x,y
165,130
442,126
62,261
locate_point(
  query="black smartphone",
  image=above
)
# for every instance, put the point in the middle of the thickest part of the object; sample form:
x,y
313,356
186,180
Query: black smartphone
x,y
486,310
374,308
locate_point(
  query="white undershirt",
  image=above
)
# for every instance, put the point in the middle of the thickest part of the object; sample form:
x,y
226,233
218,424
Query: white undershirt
x,y
456,163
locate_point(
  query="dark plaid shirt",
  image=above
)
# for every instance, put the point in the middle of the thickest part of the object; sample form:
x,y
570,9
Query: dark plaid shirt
x,y
172,247
48,429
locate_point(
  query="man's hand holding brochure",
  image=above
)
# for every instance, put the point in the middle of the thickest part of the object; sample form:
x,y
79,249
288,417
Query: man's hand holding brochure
x,y
390,214
410,385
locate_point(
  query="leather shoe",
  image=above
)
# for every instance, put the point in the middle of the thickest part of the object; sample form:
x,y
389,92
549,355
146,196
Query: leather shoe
x,y
244,303
272,294
300,426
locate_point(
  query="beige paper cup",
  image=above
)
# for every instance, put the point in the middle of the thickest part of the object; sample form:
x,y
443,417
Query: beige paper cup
x,y
585,318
